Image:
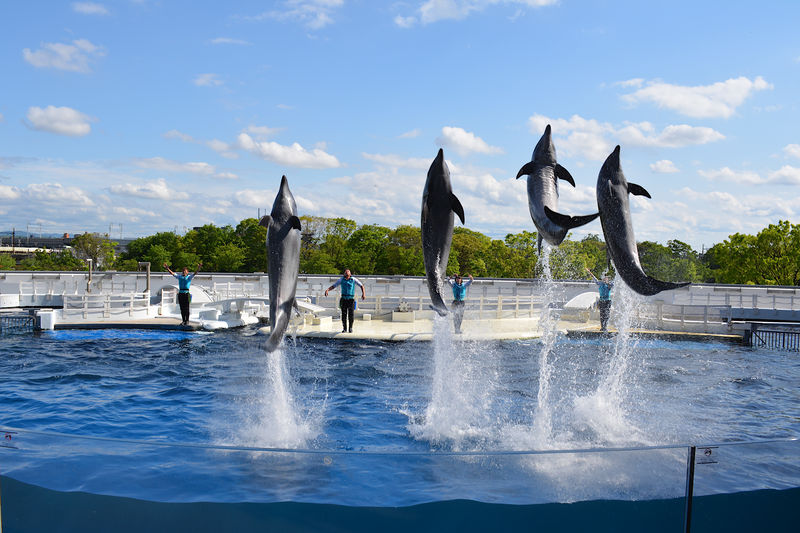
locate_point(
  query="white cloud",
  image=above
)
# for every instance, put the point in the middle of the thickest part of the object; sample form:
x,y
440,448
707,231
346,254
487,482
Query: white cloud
x,y
397,161
175,134
594,140
262,132
8,193
207,80
718,100
55,193
664,166
464,142
726,174
60,120
435,10
156,189
410,134
313,14
787,175
89,8
293,156
227,40
75,57
792,150
159,163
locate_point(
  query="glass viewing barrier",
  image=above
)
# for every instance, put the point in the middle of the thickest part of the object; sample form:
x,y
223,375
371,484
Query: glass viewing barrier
x,y
54,481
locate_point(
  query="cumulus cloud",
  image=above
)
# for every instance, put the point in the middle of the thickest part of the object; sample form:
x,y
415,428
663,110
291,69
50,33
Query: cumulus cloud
x,y
175,134
594,140
89,8
664,166
262,132
718,100
792,150
207,80
193,167
786,175
60,120
156,189
293,156
313,14
435,10
397,161
75,57
464,142
726,174
9,193
55,193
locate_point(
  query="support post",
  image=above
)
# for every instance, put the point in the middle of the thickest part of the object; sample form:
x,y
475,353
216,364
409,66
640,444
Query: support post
x,y
689,488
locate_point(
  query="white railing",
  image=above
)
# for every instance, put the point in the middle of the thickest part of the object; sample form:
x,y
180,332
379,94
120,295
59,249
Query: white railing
x,y
106,305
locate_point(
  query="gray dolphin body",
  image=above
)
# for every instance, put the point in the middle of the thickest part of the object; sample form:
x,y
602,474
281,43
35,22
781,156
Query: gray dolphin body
x,y
615,217
283,247
438,205
543,174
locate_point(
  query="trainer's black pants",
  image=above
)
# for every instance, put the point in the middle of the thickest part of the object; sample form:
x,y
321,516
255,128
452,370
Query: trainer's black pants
x,y
184,299
605,312
348,307
458,314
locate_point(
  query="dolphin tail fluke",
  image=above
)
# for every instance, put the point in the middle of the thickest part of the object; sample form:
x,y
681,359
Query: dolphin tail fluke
x,y
566,221
539,243
278,329
456,206
650,286
441,310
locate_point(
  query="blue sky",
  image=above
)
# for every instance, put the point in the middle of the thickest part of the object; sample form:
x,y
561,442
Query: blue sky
x,y
143,116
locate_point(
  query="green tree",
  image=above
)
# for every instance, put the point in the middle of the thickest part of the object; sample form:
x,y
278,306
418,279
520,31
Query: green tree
x,y
98,248
470,248
365,247
7,262
253,238
403,253
770,258
228,258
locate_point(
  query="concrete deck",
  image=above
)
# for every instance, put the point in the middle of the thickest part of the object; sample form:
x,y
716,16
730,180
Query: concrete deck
x,y
161,323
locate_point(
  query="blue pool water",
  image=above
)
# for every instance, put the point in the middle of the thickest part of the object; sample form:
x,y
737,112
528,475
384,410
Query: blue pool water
x,y
190,417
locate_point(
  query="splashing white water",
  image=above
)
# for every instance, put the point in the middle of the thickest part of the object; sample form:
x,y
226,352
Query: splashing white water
x,y
460,404
274,419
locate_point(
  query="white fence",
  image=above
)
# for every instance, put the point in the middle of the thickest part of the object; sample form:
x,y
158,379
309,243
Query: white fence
x,y
101,306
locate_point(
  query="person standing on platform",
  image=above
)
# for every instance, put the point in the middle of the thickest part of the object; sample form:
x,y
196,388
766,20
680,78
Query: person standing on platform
x,y
604,287
459,294
347,303
184,296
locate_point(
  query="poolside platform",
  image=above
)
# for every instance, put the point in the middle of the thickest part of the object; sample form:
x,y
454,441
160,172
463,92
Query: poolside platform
x,y
594,332
159,323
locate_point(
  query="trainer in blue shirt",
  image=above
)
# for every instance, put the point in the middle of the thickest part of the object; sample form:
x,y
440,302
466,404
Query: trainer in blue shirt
x,y
604,287
347,303
184,296
459,293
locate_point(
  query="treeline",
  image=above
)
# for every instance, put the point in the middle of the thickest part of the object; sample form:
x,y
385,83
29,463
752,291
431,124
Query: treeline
x,y
329,245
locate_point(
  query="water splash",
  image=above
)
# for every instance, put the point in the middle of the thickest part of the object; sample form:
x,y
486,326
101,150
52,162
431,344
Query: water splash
x,y
604,411
274,419
458,413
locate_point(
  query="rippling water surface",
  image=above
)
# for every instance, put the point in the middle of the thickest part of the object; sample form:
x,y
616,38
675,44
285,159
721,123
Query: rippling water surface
x,y
217,396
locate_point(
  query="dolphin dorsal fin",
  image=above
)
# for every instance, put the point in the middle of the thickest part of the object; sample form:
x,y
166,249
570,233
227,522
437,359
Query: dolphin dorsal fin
x,y
638,190
265,220
294,221
563,174
455,205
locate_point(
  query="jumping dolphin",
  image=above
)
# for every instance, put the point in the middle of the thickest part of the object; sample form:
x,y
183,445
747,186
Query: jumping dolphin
x,y
543,174
438,205
283,247
615,217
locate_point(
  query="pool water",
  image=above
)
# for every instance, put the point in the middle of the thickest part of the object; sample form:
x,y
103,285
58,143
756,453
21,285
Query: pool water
x,y
190,417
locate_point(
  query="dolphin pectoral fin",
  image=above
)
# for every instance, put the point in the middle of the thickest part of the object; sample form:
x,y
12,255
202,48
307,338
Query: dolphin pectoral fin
x,y
265,220
563,173
455,205
294,221
527,168
638,190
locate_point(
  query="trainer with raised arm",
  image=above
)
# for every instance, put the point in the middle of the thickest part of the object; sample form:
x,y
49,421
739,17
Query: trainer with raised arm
x,y
347,303
459,294
604,287
184,296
